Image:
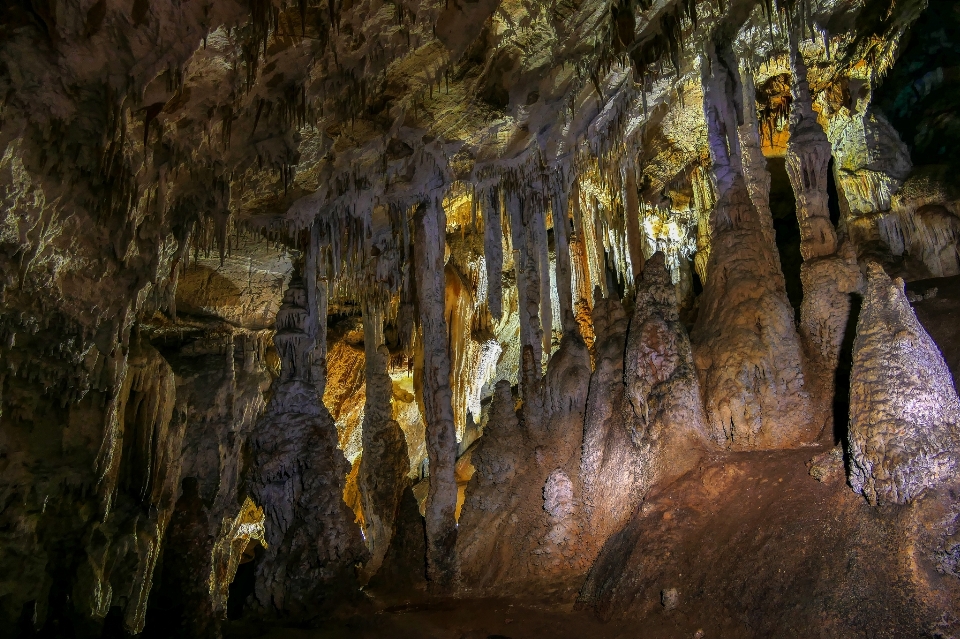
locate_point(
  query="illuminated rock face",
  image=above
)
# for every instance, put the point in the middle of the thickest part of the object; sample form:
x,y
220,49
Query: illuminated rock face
x,y
746,348
904,411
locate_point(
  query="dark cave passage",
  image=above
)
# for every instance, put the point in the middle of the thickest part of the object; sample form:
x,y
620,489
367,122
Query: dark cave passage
x,y
783,208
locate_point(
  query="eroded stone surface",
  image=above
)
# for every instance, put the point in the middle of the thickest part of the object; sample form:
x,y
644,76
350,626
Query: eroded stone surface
x,y
904,410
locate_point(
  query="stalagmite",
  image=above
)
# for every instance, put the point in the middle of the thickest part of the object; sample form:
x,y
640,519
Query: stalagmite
x,y
904,411
658,371
429,239
828,276
384,463
632,213
650,425
746,348
298,472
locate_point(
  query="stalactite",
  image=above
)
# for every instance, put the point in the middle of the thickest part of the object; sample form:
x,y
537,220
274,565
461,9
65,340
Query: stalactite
x,y
493,251
632,213
429,238
754,163
561,226
540,243
526,264
808,157
582,282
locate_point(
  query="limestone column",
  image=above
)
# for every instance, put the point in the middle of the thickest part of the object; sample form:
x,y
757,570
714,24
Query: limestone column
x,y
631,201
828,275
754,163
747,352
582,284
429,242
493,251
526,265
561,227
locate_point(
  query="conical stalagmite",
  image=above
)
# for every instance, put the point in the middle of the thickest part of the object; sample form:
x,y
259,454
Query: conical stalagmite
x,y
384,464
429,239
904,411
746,347
298,473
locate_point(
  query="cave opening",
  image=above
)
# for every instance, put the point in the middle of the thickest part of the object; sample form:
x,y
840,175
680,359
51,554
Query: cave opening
x,y
783,208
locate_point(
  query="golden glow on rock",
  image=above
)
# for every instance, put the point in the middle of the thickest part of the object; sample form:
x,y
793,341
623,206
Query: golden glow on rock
x,y
236,536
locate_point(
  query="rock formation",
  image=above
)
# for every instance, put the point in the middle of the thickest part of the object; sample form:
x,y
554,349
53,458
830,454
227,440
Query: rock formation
x,y
428,238
384,464
904,411
315,310
829,272
298,475
746,348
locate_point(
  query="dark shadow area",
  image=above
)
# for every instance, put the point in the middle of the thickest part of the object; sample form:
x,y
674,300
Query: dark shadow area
x,y
833,197
841,393
783,207
697,284
919,95
241,588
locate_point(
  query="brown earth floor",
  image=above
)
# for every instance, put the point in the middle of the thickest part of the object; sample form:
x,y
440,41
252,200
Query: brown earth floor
x,y
754,545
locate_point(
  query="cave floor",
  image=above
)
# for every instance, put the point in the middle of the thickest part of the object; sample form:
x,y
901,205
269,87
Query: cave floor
x,y
757,544
455,619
